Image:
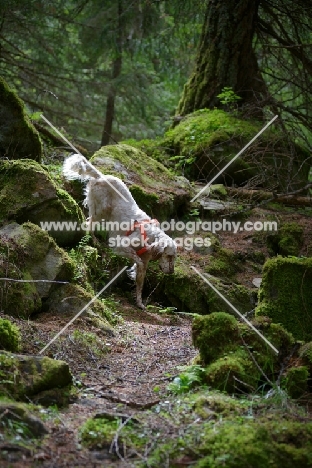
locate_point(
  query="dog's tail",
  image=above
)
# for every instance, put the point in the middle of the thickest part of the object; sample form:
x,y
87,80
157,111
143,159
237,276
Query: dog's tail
x,y
78,167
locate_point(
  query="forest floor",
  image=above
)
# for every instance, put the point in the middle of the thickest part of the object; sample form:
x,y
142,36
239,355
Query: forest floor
x,y
129,374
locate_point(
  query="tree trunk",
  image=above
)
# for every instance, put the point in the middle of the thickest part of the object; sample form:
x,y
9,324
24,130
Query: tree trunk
x,y
116,70
225,57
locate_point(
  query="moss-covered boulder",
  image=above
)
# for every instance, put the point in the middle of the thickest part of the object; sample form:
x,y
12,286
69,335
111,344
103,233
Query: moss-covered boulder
x,y
23,376
187,291
10,337
236,358
295,381
205,141
27,193
288,240
18,137
156,190
69,299
285,294
233,373
31,261
16,415
215,335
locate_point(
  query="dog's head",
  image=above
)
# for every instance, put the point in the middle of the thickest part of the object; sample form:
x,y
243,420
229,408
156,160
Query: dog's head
x,y
165,251
74,167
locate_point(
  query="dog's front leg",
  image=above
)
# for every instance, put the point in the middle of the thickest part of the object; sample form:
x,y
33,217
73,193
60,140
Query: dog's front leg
x,y
140,276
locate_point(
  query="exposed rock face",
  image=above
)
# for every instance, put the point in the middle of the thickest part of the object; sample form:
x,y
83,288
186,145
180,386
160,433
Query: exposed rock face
x,y
28,253
27,193
18,137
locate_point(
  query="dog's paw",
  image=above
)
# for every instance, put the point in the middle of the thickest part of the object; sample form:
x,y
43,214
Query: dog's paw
x,y
132,272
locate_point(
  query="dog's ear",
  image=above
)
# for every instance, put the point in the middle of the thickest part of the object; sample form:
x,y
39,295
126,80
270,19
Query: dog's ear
x,y
157,249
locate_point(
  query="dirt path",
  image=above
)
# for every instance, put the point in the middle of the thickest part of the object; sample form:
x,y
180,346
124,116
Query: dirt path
x,y
131,376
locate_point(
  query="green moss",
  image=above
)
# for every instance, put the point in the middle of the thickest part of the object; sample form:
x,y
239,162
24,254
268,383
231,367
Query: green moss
x,y
285,295
19,139
257,444
28,254
27,193
25,376
10,337
305,353
235,356
148,177
223,264
218,404
213,430
18,423
147,201
233,373
188,292
153,148
206,140
18,182
215,335
99,433
287,241
17,298
295,382
69,299
219,191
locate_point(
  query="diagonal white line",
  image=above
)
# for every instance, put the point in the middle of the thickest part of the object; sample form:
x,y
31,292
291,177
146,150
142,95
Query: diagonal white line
x,y
235,157
75,149
236,311
59,133
82,310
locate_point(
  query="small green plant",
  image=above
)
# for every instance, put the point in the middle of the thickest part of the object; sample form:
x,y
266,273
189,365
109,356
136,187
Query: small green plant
x,y
88,341
85,258
189,376
162,310
9,336
228,97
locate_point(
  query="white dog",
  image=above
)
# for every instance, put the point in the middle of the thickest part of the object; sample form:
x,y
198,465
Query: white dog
x,y
109,199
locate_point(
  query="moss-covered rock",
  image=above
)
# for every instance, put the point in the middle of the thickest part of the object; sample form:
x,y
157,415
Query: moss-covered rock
x,y
24,376
31,258
10,337
285,294
215,335
18,416
69,299
156,190
27,193
205,141
235,356
287,241
295,381
233,373
257,444
18,138
188,292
